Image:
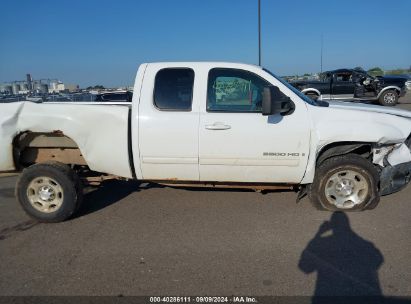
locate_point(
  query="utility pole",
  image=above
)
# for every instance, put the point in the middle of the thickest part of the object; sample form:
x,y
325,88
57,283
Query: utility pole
x,y
259,32
321,53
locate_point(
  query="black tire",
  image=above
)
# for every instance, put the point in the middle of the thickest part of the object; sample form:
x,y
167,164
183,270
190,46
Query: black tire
x,y
389,98
74,177
59,176
363,173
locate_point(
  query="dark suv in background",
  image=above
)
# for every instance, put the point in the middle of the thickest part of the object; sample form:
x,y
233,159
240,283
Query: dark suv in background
x,y
355,85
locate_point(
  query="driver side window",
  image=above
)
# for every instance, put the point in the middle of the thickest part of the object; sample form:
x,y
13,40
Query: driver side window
x,y
232,90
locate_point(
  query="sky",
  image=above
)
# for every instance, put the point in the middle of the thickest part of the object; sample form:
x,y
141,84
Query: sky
x,y
90,42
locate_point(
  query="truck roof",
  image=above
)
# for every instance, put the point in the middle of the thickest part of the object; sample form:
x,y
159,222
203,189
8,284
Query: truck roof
x,y
341,70
208,63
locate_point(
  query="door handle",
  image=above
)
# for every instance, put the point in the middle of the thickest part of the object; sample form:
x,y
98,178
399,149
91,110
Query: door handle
x,y
218,126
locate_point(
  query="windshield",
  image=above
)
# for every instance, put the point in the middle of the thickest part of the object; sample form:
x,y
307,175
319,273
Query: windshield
x,y
296,91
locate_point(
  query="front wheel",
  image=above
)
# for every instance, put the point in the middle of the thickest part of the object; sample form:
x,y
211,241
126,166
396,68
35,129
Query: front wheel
x,y
389,98
49,192
345,183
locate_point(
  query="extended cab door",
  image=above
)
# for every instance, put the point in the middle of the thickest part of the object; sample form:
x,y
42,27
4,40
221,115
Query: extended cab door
x,y
343,86
168,124
238,143
325,85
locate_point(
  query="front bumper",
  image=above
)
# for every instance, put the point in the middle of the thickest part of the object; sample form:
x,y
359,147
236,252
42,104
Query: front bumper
x,y
394,178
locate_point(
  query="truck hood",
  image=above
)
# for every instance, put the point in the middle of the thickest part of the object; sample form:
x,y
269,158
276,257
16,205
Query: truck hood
x,y
369,108
395,80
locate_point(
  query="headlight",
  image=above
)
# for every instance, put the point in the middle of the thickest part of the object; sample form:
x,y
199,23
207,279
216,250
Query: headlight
x,y
408,84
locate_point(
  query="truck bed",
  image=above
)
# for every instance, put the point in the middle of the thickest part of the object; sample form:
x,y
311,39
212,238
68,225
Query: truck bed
x,y
100,131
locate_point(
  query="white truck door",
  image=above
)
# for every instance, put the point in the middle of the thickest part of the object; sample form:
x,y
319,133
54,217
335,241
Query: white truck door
x,y
238,143
168,124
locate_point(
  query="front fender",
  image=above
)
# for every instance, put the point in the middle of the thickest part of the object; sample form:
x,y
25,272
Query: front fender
x,y
336,125
389,88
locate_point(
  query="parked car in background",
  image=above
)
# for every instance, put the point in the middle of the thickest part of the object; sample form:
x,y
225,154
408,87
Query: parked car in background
x,y
114,96
355,85
58,97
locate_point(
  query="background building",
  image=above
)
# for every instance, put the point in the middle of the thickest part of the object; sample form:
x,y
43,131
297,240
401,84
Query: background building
x,y
32,86
72,87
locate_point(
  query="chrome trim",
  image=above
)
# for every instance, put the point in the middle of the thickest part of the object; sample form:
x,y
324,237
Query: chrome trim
x,y
342,96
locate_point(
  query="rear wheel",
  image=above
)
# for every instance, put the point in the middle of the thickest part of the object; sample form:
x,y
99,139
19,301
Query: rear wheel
x,y
49,192
389,98
345,183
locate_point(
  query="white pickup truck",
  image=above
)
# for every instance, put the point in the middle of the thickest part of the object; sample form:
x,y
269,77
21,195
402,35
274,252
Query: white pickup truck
x,y
207,124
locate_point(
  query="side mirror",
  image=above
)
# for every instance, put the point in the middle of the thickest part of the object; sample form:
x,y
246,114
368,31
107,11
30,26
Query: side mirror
x,y
275,102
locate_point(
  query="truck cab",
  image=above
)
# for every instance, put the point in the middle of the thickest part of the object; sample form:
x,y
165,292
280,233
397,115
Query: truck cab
x,y
205,121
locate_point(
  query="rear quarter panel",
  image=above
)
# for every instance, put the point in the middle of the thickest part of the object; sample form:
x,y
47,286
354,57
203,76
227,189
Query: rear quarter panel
x,y
100,131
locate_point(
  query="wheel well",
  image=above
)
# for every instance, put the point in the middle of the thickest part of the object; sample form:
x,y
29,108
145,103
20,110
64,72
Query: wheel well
x,y
341,148
392,89
34,147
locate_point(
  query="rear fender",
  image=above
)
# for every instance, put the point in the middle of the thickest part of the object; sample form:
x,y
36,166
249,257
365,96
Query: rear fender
x,y
99,131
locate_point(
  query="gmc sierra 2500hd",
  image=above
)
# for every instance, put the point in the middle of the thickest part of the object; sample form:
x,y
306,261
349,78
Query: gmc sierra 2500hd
x,y
207,124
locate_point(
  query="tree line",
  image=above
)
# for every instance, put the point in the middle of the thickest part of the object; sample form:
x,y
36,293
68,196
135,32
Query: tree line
x,y
377,71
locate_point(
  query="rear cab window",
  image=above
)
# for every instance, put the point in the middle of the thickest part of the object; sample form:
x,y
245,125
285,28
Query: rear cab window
x,y
173,89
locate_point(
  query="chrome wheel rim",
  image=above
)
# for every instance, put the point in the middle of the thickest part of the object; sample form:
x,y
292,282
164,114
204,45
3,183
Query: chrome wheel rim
x,y
45,194
346,189
389,97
